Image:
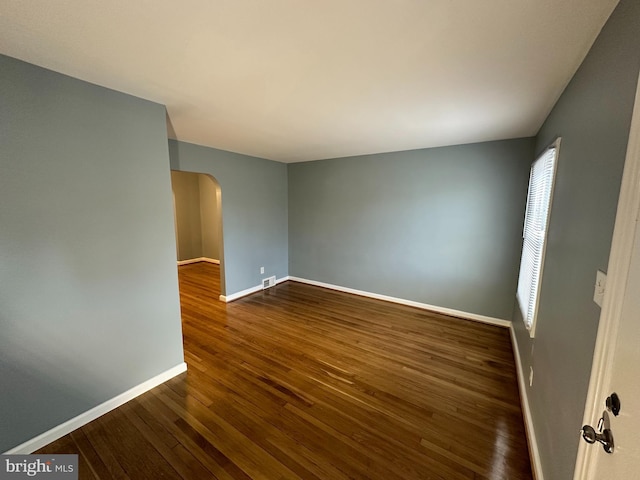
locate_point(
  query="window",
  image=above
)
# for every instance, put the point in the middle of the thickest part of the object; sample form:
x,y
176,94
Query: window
x,y
534,234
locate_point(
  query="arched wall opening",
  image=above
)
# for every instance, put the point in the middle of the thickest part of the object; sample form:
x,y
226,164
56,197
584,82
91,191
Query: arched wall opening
x,y
197,206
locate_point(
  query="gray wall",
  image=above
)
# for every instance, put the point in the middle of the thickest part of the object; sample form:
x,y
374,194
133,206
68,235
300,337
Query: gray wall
x,y
254,211
593,118
440,226
88,285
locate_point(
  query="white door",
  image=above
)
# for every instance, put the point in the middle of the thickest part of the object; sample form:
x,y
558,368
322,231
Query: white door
x,y
616,366
624,463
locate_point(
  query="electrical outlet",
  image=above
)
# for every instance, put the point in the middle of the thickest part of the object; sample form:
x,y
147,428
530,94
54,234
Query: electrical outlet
x,y
531,376
601,283
261,269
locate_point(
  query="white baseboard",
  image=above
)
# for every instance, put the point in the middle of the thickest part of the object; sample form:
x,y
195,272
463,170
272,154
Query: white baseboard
x,y
73,424
424,306
534,453
248,291
199,259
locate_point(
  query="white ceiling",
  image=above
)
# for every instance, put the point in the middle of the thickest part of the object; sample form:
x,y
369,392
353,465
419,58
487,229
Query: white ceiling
x,y
294,80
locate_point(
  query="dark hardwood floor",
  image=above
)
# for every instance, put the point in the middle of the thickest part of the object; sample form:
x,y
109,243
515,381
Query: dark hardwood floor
x,y
303,382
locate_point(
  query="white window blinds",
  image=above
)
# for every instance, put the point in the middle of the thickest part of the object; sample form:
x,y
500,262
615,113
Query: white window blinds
x,y
535,234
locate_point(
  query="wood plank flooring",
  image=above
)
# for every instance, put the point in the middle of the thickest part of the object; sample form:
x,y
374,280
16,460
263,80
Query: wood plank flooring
x,y
303,382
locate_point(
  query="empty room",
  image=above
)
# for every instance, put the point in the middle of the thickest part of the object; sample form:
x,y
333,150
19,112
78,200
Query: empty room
x,y
330,240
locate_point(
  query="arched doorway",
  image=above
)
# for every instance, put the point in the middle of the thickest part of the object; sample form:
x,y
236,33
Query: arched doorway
x,y
197,202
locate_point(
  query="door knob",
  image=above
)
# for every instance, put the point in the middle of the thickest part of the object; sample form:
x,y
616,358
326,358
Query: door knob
x,y
605,438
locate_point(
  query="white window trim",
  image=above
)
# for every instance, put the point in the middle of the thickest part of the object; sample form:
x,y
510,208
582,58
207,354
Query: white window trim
x,y
532,328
